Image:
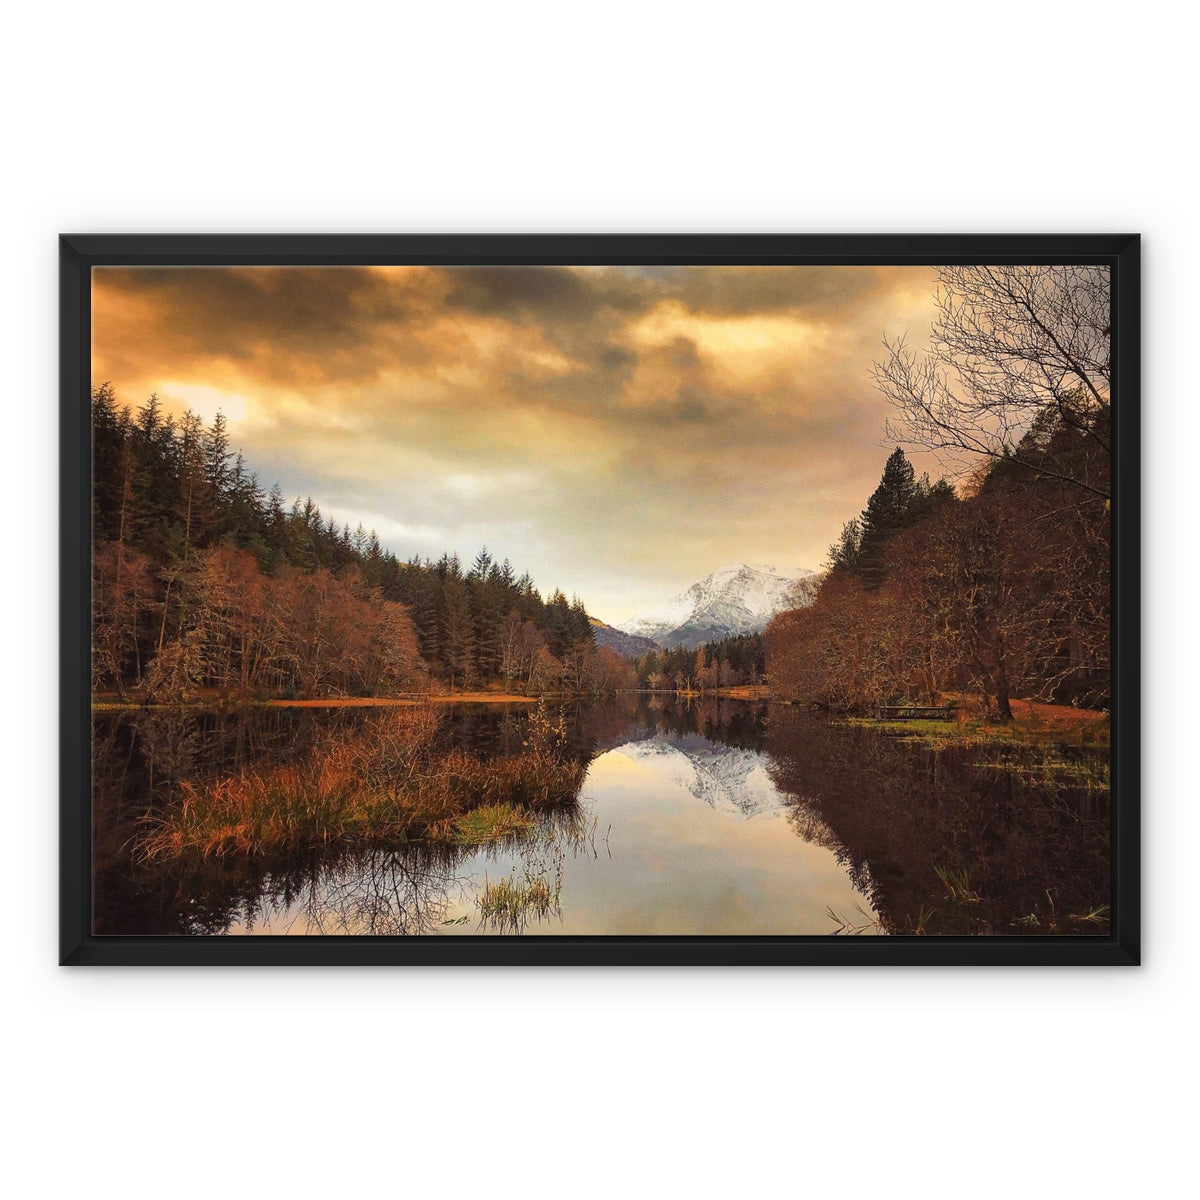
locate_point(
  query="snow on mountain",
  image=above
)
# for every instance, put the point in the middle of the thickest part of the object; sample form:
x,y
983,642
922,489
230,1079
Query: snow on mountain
x,y
739,598
727,779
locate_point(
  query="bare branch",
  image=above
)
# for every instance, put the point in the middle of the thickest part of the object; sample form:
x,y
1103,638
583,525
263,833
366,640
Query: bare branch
x,y
1009,344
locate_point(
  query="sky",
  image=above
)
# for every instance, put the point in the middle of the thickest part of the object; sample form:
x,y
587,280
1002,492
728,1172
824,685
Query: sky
x,y
618,432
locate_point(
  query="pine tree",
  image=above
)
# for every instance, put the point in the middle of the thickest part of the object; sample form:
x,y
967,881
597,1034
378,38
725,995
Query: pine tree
x,y
217,471
888,511
481,566
157,453
176,510
458,641
843,554
558,623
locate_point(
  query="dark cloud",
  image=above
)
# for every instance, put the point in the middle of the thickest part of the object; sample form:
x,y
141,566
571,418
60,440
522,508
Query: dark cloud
x,y
691,406
312,325
297,307
614,358
296,323
553,294
602,427
681,354
743,291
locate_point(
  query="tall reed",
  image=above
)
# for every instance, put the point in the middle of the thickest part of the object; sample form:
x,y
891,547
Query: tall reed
x,y
386,783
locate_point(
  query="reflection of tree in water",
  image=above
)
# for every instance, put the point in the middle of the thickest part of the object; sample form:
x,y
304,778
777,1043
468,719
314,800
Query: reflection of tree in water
x,y
803,816
139,760
1017,851
398,893
808,823
990,846
383,893
737,723
378,892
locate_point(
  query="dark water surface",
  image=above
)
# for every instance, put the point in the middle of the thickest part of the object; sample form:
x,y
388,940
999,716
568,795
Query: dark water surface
x,y
723,817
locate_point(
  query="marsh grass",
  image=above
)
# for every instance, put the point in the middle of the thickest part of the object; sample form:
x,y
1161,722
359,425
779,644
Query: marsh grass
x,y
957,883
1032,728
1044,746
386,783
533,890
510,903
1049,921
1051,766
485,824
851,926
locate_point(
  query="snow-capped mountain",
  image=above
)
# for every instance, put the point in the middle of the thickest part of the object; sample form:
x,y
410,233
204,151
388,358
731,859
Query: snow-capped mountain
x,y
736,599
728,780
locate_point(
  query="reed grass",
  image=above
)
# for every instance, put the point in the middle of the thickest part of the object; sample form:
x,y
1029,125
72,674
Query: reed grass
x,y
957,883
485,824
383,785
510,903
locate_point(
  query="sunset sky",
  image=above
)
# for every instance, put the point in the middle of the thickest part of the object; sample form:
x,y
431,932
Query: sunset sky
x,y
618,432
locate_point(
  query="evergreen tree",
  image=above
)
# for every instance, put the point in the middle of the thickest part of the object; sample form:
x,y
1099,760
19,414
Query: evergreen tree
x,y
110,439
157,456
843,554
458,635
559,623
481,566
888,511
246,514
176,510
217,471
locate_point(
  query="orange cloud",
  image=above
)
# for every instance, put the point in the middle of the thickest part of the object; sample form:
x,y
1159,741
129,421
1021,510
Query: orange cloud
x,y
610,429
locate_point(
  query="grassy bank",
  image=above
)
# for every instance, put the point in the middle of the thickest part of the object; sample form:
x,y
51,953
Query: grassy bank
x,y
109,702
388,783
1044,744
1033,724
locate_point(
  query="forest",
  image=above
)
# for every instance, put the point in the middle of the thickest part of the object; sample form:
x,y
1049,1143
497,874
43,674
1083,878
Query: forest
x,y
1000,587
996,586
204,584
731,662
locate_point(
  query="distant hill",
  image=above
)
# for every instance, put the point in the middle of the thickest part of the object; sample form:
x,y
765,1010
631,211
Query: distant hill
x,y
735,599
628,644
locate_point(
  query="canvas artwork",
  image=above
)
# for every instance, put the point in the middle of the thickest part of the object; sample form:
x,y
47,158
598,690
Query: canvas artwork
x,y
457,606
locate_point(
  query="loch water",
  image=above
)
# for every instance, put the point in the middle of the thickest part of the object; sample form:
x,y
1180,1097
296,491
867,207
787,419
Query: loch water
x,y
715,817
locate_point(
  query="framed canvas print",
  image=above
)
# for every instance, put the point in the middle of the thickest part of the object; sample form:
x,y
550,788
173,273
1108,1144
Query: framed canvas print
x,y
561,600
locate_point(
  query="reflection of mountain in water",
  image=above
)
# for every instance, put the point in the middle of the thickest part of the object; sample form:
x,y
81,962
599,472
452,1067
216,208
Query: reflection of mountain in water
x,y
727,779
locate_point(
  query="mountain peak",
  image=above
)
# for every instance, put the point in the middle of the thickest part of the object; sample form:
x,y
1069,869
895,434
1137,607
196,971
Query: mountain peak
x,y
734,599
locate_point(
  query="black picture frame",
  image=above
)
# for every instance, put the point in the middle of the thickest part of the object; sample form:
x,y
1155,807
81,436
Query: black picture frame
x,y
79,253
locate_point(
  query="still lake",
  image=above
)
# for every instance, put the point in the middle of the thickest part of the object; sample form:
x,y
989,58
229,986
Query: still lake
x,y
720,817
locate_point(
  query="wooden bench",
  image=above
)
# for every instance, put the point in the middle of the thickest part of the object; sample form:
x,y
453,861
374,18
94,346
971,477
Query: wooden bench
x,y
914,712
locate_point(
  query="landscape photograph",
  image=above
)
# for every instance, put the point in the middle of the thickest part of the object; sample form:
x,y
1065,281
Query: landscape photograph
x,y
729,600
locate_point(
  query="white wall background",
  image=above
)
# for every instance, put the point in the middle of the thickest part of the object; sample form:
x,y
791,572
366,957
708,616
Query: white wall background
x,y
623,117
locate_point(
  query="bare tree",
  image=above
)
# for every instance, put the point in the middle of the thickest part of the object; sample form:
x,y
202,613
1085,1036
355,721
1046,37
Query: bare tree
x,y
1013,347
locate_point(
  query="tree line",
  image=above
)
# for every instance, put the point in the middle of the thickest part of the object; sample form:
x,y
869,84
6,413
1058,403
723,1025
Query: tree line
x,y
203,580
1001,586
730,662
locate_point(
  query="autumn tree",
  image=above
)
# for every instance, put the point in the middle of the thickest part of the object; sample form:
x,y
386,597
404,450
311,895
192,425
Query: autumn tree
x,y
1009,344
607,672
122,604
172,501
1006,590
521,642
706,669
